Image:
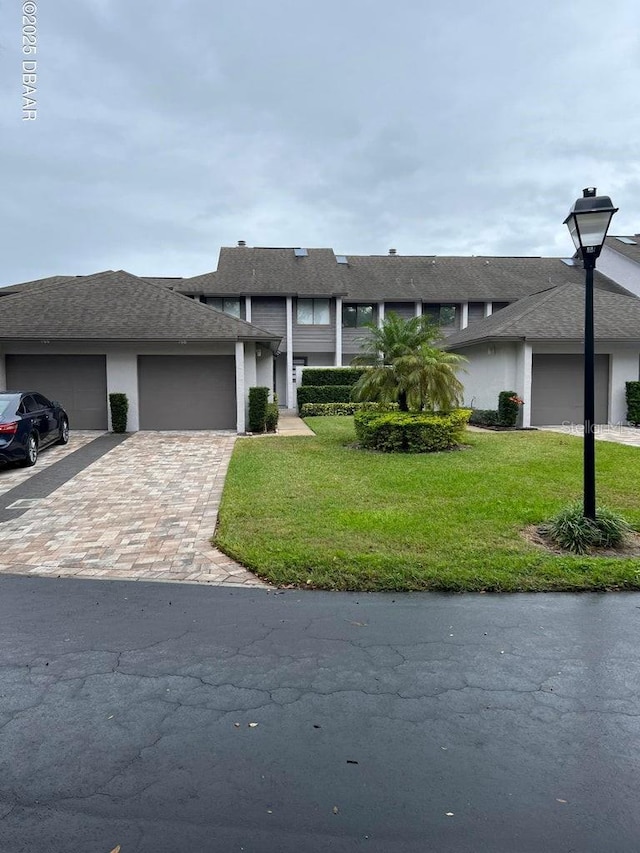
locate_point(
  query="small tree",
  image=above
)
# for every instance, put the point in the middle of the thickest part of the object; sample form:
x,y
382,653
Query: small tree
x,y
407,366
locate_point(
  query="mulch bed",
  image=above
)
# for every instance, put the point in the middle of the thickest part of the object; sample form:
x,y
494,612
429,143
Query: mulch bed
x,y
630,549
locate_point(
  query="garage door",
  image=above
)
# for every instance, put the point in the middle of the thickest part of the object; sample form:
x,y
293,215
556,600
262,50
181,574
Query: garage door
x,y
78,382
187,391
557,389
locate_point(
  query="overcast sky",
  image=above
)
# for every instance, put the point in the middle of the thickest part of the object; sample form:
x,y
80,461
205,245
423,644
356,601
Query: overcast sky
x,y
166,129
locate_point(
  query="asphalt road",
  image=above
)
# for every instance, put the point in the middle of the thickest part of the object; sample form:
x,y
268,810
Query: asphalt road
x,y
166,718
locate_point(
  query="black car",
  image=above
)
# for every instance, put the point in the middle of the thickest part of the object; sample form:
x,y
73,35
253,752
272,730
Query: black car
x,y
29,422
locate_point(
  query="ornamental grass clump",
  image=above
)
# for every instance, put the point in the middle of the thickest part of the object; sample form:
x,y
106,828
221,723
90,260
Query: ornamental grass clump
x,y
572,531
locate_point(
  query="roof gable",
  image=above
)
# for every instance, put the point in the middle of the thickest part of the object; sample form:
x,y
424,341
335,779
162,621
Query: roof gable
x,y
556,314
630,250
116,306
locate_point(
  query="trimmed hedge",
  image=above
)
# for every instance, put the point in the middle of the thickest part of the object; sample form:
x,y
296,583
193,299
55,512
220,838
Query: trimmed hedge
x,y
258,401
331,376
633,403
272,415
508,408
324,394
484,417
407,432
119,405
309,410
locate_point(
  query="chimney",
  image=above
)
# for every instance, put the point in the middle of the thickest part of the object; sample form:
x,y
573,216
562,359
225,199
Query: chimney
x,y
242,243
392,251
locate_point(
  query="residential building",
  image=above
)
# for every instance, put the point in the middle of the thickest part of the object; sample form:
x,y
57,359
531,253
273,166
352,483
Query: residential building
x,y
620,261
266,313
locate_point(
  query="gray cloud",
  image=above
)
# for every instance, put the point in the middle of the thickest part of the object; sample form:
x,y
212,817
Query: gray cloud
x,y
167,130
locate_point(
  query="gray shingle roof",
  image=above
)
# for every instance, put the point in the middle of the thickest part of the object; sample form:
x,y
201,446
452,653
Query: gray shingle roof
x,y
556,314
626,249
393,278
25,285
116,306
168,281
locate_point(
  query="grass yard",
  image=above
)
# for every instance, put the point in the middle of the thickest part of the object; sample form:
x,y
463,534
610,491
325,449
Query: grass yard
x,y
317,512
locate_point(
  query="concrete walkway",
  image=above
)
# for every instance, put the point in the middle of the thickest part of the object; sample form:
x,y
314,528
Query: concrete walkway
x,y
290,423
604,432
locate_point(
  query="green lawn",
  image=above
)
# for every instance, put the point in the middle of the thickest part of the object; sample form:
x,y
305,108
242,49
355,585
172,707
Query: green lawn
x,y
317,512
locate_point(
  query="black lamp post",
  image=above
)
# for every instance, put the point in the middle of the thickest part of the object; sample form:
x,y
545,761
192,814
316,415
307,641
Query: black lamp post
x,y
588,223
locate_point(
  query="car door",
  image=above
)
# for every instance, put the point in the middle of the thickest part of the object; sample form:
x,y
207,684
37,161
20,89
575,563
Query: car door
x,y
53,427
37,415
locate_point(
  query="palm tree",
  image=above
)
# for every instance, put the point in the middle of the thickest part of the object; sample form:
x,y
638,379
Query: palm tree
x,y
407,366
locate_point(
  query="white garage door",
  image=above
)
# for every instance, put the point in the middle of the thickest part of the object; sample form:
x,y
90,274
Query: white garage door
x,y
187,391
557,389
78,382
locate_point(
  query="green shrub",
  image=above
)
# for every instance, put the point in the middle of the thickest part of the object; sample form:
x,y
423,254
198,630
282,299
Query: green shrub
x,y
319,409
119,406
633,403
508,407
258,400
331,375
572,531
324,394
272,415
484,417
408,432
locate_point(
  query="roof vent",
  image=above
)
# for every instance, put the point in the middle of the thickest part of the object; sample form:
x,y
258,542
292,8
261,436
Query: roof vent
x,y
341,259
568,261
242,243
300,253
393,252
627,241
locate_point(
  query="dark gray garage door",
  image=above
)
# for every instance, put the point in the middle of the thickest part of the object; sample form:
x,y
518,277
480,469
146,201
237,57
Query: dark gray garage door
x,y
78,382
557,391
187,391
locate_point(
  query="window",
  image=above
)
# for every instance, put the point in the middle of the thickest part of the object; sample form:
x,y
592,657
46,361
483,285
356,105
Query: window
x,y
355,316
442,313
228,306
30,405
312,312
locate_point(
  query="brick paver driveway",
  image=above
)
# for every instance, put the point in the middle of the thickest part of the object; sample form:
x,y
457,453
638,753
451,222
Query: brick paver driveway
x,y
145,510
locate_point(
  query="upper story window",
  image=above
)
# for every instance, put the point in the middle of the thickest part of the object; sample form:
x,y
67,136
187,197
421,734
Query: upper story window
x,y
443,313
228,306
312,312
355,316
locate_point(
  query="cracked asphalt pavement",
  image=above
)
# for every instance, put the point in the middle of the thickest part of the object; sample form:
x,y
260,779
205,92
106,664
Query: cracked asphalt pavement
x,y
167,718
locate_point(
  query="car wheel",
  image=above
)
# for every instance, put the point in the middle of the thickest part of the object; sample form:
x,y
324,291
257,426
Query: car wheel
x,y
32,452
64,432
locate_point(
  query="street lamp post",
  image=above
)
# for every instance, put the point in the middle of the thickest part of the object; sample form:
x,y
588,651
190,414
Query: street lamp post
x,y
588,223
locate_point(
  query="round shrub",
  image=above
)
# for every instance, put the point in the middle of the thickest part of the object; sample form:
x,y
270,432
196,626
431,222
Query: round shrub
x,y
409,432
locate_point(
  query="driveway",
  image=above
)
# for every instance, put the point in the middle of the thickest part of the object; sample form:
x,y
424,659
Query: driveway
x,y
145,510
618,434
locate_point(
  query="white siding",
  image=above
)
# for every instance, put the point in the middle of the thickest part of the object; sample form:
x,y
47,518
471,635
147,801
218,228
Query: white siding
x,y
621,269
491,369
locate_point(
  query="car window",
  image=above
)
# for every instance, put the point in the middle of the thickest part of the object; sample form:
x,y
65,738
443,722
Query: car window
x,y
42,401
30,404
8,404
